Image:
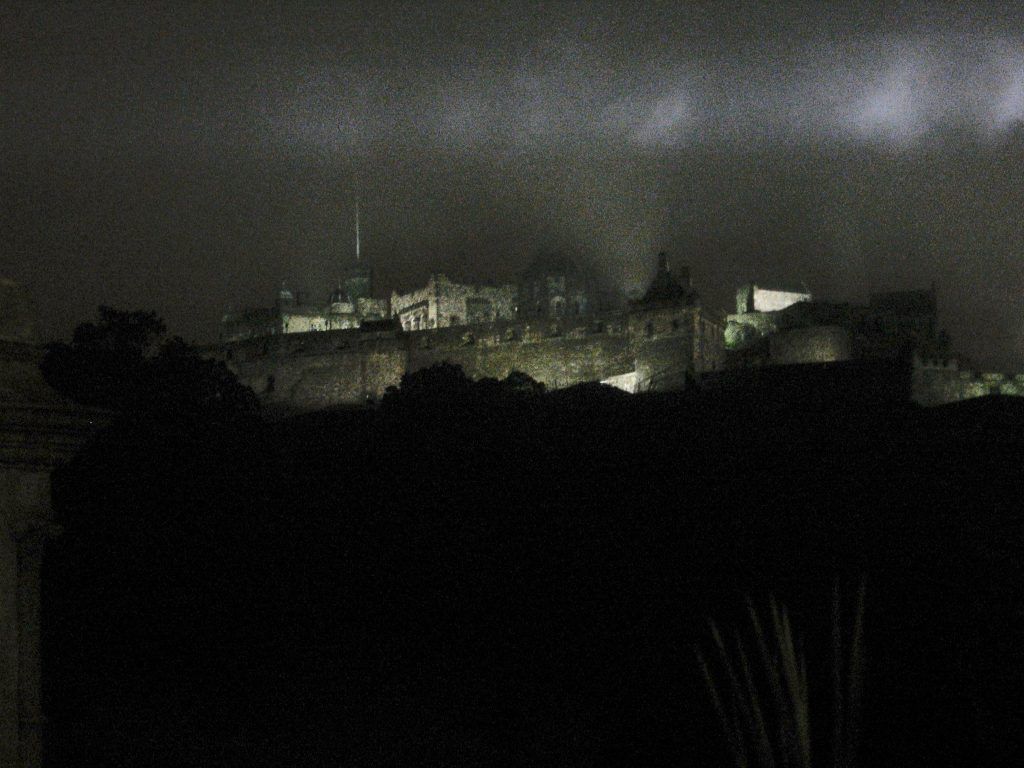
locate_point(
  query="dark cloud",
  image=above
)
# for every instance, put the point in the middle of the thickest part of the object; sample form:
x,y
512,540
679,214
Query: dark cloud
x,y
188,159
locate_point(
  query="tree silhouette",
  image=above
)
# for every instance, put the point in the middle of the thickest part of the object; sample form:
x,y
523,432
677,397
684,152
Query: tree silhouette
x,y
125,364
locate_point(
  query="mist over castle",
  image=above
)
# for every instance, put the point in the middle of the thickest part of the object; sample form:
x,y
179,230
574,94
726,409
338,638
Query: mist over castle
x,y
188,162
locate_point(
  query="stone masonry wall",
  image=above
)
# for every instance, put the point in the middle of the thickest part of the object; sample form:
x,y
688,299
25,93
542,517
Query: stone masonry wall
x,y
936,382
318,370
425,297
454,300
443,303
816,344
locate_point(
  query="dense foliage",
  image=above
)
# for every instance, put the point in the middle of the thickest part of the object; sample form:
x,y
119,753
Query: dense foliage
x,y
125,363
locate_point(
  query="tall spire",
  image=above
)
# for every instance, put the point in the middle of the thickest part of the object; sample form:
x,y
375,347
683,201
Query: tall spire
x,y
357,228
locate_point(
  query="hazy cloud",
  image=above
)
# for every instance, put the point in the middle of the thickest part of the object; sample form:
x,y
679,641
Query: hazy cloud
x,y
188,158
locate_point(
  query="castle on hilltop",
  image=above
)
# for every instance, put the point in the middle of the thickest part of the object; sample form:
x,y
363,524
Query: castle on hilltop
x,y
555,324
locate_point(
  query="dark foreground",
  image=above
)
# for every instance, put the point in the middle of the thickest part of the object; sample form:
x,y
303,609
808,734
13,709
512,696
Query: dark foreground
x,y
522,580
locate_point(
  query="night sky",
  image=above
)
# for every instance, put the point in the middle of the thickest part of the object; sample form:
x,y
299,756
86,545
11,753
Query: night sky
x,y
187,159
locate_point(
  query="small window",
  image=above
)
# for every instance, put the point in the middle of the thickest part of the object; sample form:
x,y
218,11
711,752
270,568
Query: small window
x,y
675,324
649,330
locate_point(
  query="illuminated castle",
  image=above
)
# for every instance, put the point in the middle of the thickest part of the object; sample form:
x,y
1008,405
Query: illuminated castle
x,y
552,324
349,305
778,327
552,286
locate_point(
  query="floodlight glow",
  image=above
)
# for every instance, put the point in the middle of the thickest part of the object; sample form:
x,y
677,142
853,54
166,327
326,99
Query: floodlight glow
x,y
892,109
1009,107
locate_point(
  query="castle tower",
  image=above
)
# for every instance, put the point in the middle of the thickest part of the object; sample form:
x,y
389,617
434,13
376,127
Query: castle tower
x,y
358,283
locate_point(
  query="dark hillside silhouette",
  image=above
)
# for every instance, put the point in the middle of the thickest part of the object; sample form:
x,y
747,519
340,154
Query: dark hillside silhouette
x,y
487,574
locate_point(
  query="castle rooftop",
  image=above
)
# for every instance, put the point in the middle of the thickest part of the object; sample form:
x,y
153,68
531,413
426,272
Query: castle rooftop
x,y
665,287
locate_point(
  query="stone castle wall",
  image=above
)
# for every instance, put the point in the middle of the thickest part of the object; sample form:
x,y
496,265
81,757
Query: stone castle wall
x,y
443,303
474,304
814,344
405,305
318,370
669,347
661,348
936,382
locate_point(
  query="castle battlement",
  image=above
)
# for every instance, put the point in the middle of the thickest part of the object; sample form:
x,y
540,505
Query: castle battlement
x,y
550,326
657,345
490,334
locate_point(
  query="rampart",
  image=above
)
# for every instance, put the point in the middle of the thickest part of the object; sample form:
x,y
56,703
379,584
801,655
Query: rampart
x,y
316,370
942,381
814,344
